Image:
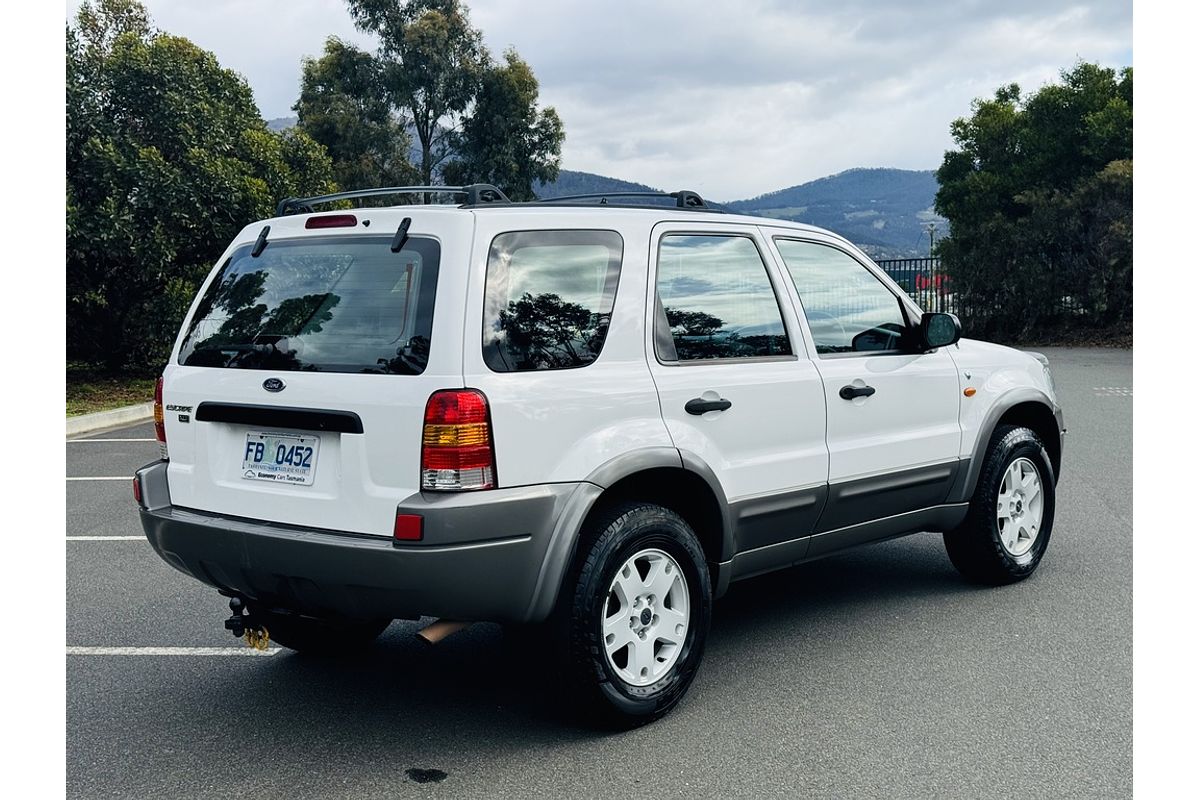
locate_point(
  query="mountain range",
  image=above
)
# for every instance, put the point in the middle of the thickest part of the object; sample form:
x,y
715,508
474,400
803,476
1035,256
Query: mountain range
x,y
886,212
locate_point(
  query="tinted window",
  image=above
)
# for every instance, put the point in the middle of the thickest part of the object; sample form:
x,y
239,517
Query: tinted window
x,y
716,300
328,304
549,298
848,309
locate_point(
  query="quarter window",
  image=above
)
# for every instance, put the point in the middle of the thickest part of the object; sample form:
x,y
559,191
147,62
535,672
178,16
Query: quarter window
x,y
849,310
716,300
549,298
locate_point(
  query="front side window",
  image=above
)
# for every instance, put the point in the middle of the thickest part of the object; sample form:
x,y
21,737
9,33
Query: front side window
x,y
323,304
848,309
716,300
549,298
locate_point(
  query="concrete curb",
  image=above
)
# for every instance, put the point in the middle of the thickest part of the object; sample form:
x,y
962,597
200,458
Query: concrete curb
x,y
101,420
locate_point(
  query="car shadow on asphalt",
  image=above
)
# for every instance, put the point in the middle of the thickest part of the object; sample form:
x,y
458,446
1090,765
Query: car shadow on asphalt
x,y
479,682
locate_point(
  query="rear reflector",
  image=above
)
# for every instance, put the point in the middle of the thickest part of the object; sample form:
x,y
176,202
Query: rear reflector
x,y
456,444
160,427
409,527
332,221
137,490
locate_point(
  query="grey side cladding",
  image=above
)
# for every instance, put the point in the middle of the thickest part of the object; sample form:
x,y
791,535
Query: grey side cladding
x,y
561,551
882,496
965,487
763,521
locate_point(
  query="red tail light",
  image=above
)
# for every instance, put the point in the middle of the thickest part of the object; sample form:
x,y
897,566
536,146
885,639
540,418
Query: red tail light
x,y
456,443
160,428
137,490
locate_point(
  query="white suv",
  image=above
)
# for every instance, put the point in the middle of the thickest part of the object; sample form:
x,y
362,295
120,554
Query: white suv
x,y
593,415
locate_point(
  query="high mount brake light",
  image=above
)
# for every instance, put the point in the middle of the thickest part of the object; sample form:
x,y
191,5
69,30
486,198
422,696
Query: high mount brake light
x,y
457,452
160,427
332,221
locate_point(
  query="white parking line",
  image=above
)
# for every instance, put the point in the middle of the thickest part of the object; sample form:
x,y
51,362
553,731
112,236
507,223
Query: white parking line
x,y
106,478
169,651
112,440
105,538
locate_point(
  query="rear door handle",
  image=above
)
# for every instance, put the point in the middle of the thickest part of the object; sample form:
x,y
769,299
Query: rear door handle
x,y
698,405
851,392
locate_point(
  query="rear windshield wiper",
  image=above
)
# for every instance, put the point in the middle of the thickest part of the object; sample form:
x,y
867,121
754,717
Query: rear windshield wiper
x,y
401,235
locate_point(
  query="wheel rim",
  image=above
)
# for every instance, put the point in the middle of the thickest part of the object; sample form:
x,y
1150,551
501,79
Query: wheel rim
x,y
645,617
1019,507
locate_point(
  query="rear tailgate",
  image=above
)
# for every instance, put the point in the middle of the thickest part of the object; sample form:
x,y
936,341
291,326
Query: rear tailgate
x,y
285,356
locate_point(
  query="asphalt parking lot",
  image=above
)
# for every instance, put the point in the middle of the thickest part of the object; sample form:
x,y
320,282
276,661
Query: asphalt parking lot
x,y
877,673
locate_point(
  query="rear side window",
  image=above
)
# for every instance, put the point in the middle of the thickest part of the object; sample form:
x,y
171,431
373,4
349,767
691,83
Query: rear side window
x,y
322,304
716,301
549,298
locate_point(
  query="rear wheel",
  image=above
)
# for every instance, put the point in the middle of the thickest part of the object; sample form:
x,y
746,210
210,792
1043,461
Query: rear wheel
x,y
325,636
639,614
1008,526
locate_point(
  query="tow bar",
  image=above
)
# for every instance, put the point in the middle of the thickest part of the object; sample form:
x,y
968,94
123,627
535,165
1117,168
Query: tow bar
x,y
243,625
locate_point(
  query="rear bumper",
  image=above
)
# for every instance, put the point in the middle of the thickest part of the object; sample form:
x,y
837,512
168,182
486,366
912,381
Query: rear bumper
x,y
484,556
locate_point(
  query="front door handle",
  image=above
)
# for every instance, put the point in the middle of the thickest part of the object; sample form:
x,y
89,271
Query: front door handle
x,y
851,392
698,405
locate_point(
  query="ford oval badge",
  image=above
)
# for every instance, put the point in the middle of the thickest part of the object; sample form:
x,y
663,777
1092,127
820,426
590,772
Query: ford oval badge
x,y
274,385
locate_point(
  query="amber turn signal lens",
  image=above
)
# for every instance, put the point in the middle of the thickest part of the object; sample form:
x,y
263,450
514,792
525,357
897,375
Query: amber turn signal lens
x,y
969,391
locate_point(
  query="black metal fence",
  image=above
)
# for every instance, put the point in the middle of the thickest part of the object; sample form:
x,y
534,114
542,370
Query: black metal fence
x,y
933,290
924,281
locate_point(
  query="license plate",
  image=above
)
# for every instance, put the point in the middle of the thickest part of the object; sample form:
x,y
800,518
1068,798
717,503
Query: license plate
x,y
280,457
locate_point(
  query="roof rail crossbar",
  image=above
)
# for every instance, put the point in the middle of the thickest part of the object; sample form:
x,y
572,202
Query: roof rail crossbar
x,y
683,198
476,193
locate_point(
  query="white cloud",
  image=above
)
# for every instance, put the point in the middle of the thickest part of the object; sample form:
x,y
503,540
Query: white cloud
x,y
729,99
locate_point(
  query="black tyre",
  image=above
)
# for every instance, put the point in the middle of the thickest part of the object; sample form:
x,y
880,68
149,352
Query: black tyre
x,y
324,636
1008,526
637,615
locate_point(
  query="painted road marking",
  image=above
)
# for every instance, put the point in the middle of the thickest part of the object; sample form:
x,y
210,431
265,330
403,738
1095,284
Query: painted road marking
x,y
112,440
105,538
1113,391
117,478
169,651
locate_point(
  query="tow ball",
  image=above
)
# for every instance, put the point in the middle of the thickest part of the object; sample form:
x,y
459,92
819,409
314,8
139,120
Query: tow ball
x,y
244,626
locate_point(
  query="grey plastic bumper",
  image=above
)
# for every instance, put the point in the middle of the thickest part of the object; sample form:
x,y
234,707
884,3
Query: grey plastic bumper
x,y
482,556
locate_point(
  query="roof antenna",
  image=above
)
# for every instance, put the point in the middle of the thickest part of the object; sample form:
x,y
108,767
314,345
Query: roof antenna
x,y
401,235
260,243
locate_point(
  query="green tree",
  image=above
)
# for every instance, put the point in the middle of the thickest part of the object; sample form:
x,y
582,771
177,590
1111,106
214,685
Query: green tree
x,y
1039,195
167,158
343,105
431,60
506,140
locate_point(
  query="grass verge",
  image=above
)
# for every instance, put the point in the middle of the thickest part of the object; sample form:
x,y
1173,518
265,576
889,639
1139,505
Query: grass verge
x,y
89,391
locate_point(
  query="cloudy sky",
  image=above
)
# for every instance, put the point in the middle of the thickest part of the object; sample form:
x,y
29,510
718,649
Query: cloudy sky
x,y
731,99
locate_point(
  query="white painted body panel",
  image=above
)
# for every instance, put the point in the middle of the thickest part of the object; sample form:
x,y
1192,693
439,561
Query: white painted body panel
x,y
772,438
994,370
910,421
787,428
359,478
554,426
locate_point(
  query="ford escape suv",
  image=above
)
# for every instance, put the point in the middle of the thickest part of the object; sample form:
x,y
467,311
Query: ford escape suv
x,y
582,419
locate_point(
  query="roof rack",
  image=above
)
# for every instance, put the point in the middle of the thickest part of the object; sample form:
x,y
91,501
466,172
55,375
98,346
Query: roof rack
x,y
476,193
683,199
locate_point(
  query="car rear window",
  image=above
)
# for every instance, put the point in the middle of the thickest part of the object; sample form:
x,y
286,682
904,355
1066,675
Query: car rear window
x,y
323,304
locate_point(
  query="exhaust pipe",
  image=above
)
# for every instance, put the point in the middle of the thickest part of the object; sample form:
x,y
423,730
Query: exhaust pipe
x,y
434,632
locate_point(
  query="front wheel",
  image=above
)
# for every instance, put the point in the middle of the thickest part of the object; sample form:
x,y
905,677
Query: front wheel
x,y
639,614
1008,526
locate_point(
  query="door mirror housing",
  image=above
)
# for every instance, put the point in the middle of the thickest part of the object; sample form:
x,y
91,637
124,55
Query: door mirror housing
x,y
939,330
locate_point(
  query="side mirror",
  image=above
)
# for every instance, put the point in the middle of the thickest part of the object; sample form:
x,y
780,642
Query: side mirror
x,y
939,330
